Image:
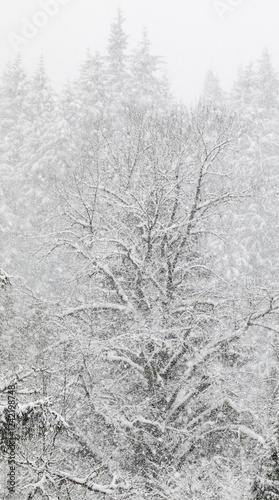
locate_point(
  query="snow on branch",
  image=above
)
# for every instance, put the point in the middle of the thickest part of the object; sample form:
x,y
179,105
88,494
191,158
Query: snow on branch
x,y
19,377
76,434
249,433
116,283
95,307
110,489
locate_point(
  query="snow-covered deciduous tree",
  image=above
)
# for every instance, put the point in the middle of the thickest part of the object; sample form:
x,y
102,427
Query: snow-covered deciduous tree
x,y
162,328
140,291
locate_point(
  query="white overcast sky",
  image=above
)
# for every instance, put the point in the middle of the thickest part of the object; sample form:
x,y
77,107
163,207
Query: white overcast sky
x,y
192,35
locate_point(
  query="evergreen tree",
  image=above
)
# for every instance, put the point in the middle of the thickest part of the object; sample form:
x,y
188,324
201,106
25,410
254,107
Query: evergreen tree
x,y
254,99
244,88
266,483
41,102
118,75
267,87
14,123
148,85
212,94
14,110
91,88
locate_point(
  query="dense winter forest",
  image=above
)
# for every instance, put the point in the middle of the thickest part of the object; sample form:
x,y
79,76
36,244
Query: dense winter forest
x,y
139,284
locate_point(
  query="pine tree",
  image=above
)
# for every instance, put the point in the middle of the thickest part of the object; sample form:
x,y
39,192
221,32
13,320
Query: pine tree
x,y
14,111
148,85
14,123
254,100
267,87
118,75
212,94
91,88
41,102
244,87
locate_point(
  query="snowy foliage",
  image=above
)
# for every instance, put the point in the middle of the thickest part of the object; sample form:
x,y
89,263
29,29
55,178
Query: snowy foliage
x,y
139,281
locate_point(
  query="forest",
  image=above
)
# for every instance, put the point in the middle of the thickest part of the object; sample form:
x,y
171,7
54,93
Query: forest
x,y
139,282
